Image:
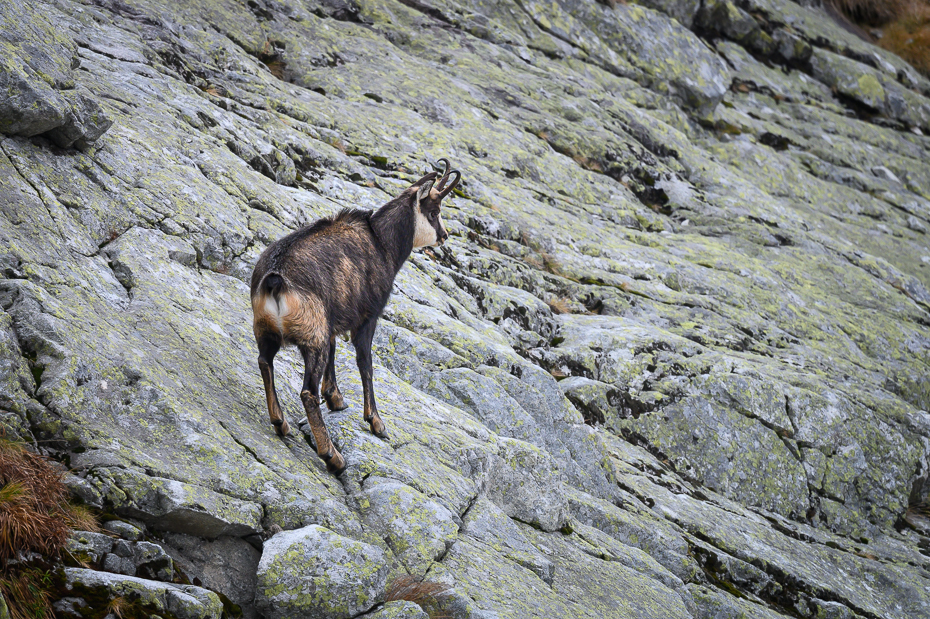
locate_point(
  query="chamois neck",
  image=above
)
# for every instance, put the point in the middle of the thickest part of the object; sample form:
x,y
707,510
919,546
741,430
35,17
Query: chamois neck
x,y
393,225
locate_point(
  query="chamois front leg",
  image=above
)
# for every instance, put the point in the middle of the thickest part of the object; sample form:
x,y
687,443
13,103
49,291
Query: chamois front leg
x,y
331,393
268,347
314,363
361,339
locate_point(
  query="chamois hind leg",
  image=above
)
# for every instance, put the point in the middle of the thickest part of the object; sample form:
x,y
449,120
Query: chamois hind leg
x,y
361,339
315,362
331,393
268,346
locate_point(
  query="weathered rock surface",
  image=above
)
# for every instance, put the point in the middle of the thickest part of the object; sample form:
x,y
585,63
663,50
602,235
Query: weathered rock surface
x,y
672,362
155,598
315,573
226,564
398,610
38,92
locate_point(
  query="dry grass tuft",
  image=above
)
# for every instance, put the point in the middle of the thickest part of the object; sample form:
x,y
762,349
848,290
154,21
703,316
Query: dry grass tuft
x,y
909,37
905,26
270,55
424,593
35,516
559,305
872,12
27,593
81,518
33,504
277,68
120,607
588,163
216,91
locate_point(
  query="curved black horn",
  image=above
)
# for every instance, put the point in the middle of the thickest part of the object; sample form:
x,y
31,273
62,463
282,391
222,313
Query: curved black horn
x,y
445,192
425,178
445,174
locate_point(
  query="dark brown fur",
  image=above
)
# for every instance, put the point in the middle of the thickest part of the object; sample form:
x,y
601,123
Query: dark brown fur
x,y
332,277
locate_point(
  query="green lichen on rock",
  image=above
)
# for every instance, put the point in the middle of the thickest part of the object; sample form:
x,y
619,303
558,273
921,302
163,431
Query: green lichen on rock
x,y
676,343
314,572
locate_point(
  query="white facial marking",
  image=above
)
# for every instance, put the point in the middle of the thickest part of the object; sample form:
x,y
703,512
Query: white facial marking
x,y
423,232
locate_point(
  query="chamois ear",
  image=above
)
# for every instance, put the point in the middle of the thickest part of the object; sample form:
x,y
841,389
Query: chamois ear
x,y
424,190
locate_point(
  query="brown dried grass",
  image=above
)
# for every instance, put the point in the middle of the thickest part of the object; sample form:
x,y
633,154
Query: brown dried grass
x,y
559,305
35,516
27,593
426,594
905,26
909,37
872,12
33,504
122,607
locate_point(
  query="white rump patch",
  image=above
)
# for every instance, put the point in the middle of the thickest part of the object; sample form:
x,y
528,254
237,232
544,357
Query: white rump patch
x,y
278,309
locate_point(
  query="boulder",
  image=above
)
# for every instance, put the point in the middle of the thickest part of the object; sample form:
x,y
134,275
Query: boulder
x,y
155,598
315,573
226,565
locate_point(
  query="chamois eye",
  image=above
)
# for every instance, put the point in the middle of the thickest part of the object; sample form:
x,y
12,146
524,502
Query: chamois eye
x,y
432,216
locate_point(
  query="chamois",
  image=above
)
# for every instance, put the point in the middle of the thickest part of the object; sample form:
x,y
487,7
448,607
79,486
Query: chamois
x,y
332,277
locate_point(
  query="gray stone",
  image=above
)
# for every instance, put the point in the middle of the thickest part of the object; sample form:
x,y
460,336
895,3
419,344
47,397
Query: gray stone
x,y
226,565
683,11
317,573
37,81
171,505
417,530
521,480
89,546
398,610
487,523
118,565
152,561
123,529
715,604
182,601
871,88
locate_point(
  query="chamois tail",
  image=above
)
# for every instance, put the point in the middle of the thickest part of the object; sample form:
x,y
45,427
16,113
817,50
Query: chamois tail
x,y
273,284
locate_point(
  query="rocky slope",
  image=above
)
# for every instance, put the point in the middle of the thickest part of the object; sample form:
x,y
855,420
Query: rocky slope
x,y
673,362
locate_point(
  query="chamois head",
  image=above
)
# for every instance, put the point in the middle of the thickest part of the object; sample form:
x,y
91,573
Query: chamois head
x,y
428,228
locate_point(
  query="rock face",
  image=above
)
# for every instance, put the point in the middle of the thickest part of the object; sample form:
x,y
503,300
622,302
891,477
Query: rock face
x,y
38,92
672,362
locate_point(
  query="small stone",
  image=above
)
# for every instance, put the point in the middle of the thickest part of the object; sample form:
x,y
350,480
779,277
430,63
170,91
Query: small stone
x,y
883,172
124,530
88,546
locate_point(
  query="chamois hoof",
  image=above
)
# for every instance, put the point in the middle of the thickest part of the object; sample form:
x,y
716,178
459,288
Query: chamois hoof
x,y
281,429
335,463
381,432
335,402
